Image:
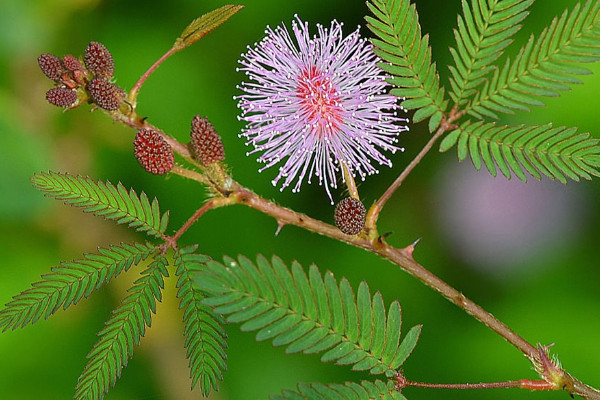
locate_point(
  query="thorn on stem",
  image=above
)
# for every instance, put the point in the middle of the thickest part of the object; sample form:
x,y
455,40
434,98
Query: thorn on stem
x,y
410,249
280,225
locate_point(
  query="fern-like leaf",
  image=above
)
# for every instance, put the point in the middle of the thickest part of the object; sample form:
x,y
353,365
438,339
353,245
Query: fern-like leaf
x,y
407,57
122,332
310,313
484,31
545,66
557,153
349,391
68,283
105,200
205,338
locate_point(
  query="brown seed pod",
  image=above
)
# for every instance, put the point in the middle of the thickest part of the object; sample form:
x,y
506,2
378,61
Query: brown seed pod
x,y
51,66
106,94
61,96
99,61
207,145
350,216
152,152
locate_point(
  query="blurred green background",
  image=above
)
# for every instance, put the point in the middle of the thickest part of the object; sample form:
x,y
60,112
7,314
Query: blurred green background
x,y
547,294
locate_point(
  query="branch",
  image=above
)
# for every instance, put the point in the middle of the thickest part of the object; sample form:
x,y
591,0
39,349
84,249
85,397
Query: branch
x,y
551,373
446,125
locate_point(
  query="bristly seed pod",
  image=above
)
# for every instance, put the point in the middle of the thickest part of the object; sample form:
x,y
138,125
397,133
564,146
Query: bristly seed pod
x,y
350,216
71,63
207,145
99,61
106,94
61,96
152,152
51,66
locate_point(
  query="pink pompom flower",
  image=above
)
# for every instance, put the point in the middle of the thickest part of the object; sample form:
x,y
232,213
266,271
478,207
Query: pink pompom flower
x,y
315,103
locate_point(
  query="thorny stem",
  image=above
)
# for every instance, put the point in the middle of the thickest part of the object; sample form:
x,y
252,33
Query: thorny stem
x,y
370,240
235,193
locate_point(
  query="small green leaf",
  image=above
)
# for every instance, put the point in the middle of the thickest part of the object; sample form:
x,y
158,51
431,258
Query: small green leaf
x,y
205,24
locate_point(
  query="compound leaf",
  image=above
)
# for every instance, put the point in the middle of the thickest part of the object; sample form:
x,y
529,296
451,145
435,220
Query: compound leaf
x,y
559,153
121,333
205,338
68,283
105,200
484,30
543,67
407,58
307,314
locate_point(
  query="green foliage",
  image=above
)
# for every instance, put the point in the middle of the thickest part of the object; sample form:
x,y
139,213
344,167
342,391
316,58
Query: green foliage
x,y
105,200
310,313
68,283
557,153
122,331
205,338
407,57
545,66
484,31
350,391
205,24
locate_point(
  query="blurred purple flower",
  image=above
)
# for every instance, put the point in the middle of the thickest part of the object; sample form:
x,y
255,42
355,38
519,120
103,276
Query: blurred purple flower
x,y
316,103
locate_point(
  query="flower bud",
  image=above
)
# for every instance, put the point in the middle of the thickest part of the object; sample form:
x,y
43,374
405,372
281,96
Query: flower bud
x,y
99,61
51,66
207,145
153,153
61,96
105,94
350,216
71,63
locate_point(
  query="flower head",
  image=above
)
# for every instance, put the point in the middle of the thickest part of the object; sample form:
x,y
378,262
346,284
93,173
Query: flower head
x,y
315,103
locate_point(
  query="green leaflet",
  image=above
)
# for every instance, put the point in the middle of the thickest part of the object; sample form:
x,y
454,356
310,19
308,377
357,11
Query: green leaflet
x,y
105,200
68,283
543,67
205,24
205,338
484,31
121,333
407,57
349,391
559,153
308,313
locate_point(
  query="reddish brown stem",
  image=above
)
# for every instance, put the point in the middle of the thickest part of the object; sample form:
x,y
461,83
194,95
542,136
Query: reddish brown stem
x,y
521,384
138,85
209,205
446,124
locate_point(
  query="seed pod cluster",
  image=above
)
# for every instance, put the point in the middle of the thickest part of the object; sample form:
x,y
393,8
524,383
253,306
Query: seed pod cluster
x,y
90,79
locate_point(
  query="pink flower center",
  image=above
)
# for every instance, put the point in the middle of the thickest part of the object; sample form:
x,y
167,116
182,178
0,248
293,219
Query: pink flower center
x,y
319,101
